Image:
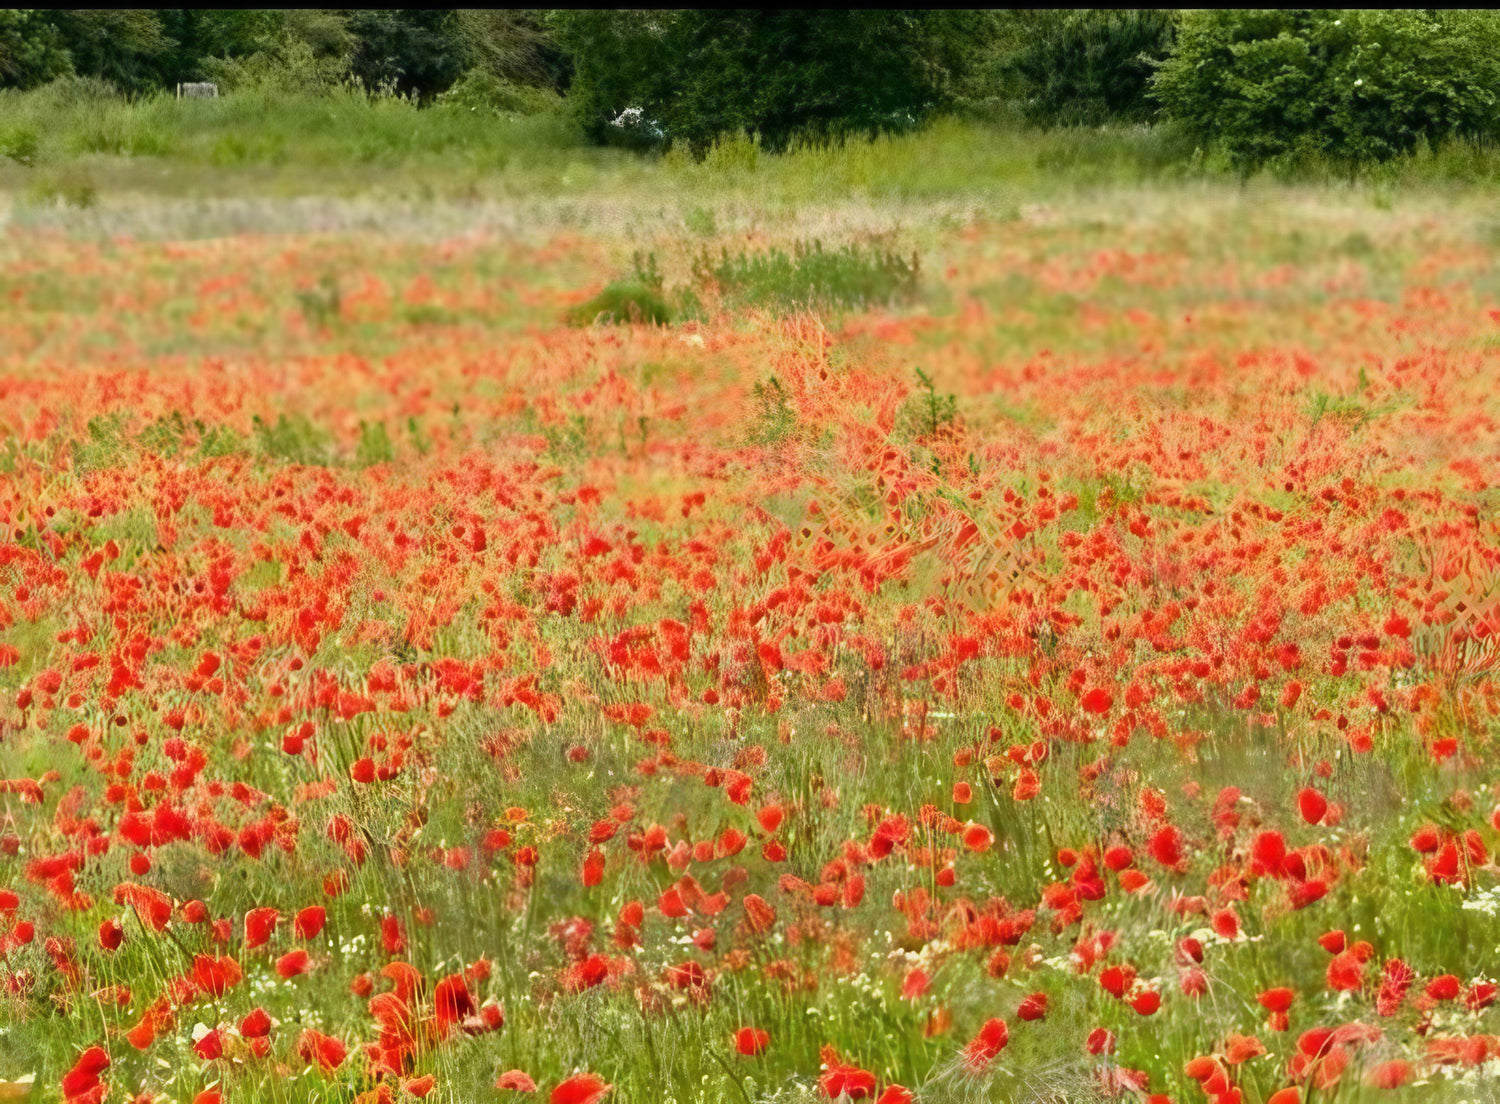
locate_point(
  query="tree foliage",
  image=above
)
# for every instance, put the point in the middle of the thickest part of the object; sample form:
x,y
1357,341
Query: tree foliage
x,y
698,75
1351,84
420,52
1257,84
415,51
512,45
305,51
125,46
31,49
1089,66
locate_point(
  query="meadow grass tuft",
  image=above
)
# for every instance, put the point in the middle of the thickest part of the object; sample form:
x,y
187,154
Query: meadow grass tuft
x,y
807,276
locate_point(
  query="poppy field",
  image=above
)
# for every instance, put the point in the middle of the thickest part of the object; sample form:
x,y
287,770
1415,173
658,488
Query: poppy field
x,y
1072,682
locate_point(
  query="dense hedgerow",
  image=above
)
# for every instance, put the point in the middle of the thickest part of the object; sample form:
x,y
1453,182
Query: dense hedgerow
x,y
694,76
1342,83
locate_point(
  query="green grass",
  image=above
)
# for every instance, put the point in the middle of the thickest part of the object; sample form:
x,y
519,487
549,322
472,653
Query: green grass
x,y
854,275
73,142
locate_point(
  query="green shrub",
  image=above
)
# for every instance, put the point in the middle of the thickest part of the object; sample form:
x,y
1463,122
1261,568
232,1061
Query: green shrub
x,y
775,419
21,144
322,306
481,90
71,187
810,276
295,440
375,445
287,64
1350,84
106,445
624,302
636,299
692,76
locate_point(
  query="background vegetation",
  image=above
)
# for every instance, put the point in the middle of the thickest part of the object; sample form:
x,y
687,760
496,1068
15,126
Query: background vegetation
x,y
544,95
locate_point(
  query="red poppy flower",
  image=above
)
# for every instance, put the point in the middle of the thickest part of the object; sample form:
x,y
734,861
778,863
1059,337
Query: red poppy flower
x,y
1097,701
210,1045
847,1081
990,1041
515,1081
259,924
405,977
310,921
582,1088
1276,1000
1241,1048
1033,1007
392,935
1345,972
671,904
324,1051
686,975
1166,846
916,983
1389,1075
451,1001
750,1041
216,975
1146,1002
293,963
1426,839
760,917
143,1034
593,868
81,1084
1201,1068
111,934
1312,805
978,838
1481,995
256,1024
1445,987
1114,980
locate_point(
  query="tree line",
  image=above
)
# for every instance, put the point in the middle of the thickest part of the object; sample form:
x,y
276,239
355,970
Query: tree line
x,y
1257,84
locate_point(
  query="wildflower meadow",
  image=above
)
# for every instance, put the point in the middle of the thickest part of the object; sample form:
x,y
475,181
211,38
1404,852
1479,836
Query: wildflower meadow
x,y
1045,655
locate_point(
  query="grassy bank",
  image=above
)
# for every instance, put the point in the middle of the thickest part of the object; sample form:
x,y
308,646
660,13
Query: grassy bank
x,y
75,145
